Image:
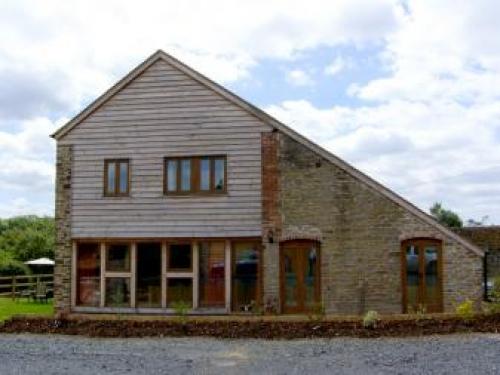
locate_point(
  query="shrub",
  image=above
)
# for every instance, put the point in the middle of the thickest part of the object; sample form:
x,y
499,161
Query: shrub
x,y
370,319
465,310
181,309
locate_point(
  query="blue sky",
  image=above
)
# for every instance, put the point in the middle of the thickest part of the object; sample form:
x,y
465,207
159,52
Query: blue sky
x,y
408,92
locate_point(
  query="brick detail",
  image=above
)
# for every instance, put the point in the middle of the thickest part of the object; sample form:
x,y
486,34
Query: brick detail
x,y
63,250
271,215
361,233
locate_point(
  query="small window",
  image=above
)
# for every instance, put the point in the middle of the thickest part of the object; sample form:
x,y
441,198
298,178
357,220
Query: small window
x,y
179,257
116,177
179,290
118,258
195,175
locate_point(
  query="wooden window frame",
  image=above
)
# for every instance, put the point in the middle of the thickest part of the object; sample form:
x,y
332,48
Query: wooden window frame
x,y
299,244
195,188
421,242
116,192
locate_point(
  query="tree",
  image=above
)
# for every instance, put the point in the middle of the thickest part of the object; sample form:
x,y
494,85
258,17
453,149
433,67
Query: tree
x,y
446,217
27,237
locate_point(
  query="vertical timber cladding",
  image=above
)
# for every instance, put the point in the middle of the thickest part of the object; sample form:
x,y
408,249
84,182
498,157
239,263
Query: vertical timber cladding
x,y
271,217
63,250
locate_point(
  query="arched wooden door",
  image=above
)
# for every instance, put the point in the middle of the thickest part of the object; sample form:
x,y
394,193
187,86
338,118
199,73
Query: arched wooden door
x,y
422,275
299,276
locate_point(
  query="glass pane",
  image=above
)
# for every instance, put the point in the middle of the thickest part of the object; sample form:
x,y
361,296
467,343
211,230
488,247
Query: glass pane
x,y
88,275
185,174
311,275
205,174
148,289
432,297
245,275
118,258
123,177
111,183
172,175
219,174
118,292
211,274
179,257
179,290
290,264
412,278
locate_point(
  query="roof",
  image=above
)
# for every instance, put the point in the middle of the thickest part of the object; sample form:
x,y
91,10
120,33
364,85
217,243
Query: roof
x,y
161,55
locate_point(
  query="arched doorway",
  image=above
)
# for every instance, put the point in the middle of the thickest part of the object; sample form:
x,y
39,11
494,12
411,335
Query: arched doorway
x,y
422,275
299,275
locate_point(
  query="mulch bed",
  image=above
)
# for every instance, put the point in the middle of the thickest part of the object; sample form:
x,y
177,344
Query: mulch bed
x,y
266,329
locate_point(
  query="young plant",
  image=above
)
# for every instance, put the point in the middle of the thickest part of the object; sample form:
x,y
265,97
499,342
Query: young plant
x,y
370,319
181,309
465,310
317,312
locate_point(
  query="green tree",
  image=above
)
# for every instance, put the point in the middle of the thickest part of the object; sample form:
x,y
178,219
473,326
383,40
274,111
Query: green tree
x,y
27,237
446,217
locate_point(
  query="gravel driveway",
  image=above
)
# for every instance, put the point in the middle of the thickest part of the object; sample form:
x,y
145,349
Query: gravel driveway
x,y
456,354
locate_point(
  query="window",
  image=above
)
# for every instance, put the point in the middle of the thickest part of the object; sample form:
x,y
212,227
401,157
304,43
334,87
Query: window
x,y
117,275
118,258
179,290
179,257
212,274
116,177
203,175
245,276
88,273
117,292
148,274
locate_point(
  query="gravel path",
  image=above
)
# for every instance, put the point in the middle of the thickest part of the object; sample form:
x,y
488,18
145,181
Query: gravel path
x,y
456,354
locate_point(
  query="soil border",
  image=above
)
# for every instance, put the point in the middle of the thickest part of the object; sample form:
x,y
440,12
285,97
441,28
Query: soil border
x,y
252,328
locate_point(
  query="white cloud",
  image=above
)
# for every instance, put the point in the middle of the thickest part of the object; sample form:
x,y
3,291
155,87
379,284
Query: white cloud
x,y
56,56
338,65
297,77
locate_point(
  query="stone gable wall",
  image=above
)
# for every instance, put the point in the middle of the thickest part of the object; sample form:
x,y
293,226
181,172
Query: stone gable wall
x,y
361,233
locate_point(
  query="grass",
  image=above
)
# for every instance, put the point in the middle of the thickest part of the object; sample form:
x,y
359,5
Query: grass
x,y
9,308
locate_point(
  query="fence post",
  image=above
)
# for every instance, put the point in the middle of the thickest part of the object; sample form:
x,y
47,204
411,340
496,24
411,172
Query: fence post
x,y
13,287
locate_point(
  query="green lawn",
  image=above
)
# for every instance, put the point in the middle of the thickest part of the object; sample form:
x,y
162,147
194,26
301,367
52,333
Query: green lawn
x,y
9,308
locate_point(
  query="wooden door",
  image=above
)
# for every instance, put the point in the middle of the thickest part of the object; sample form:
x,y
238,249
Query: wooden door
x,y
300,276
422,276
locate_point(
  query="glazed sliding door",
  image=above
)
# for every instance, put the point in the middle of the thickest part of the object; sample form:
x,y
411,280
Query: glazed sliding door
x,y
300,276
422,280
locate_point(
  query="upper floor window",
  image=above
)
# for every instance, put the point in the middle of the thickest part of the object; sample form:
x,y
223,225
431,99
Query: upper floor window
x,y
200,174
116,177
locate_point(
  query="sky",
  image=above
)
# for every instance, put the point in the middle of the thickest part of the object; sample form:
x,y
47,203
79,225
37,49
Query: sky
x,y
406,91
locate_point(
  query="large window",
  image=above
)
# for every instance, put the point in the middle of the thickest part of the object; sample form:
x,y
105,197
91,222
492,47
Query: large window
x,y
179,276
245,276
88,274
212,274
117,275
148,274
116,177
192,175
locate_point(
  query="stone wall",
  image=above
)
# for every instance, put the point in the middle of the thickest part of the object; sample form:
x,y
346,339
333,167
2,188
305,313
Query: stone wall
x,y
361,232
62,270
487,238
